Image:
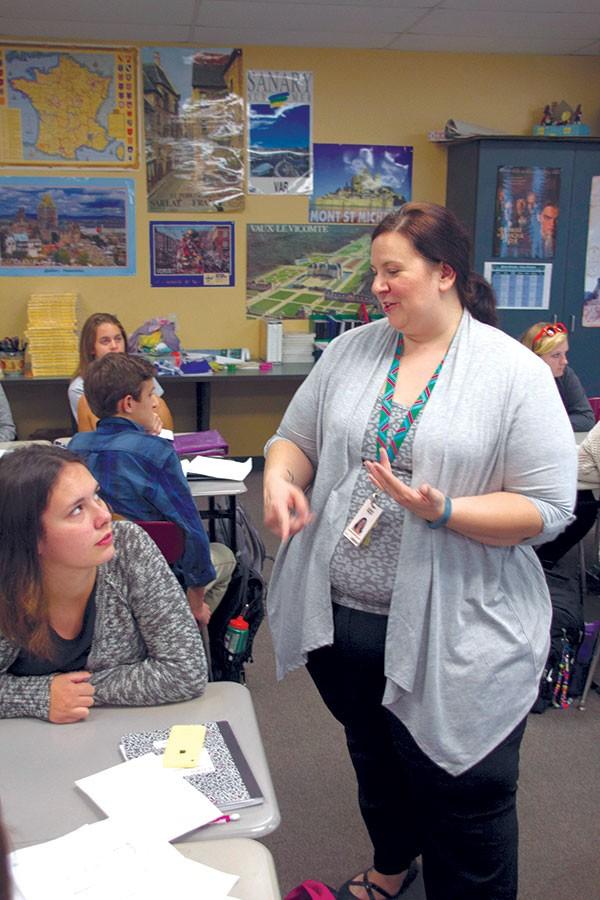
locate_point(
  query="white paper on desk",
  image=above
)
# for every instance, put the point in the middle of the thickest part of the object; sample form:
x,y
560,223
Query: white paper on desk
x,y
217,468
107,860
142,793
167,434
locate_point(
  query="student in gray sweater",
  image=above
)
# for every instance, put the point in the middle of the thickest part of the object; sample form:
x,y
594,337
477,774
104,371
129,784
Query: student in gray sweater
x,y
90,613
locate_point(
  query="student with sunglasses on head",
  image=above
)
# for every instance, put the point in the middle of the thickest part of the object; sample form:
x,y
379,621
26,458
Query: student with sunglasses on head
x,y
550,341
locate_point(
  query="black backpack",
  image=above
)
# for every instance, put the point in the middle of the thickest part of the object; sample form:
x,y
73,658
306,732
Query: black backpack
x,y
562,675
245,595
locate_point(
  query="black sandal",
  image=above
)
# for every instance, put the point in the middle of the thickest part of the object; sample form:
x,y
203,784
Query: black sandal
x,y
344,892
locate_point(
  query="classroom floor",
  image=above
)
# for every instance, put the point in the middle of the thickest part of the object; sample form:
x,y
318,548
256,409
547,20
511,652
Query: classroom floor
x,y
321,833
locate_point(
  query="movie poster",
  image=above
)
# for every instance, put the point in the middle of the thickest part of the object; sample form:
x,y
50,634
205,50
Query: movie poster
x,y
279,132
591,297
295,271
191,254
67,226
194,127
356,184
527,212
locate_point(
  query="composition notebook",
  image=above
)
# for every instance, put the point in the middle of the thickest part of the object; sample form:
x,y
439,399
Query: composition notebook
x,y
232,785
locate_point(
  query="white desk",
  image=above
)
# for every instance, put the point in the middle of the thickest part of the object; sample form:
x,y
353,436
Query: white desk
x,y
39,763
209,489
248,859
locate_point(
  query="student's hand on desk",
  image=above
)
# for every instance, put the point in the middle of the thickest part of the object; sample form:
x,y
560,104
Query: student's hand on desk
x,y
198,605
286,509
71,696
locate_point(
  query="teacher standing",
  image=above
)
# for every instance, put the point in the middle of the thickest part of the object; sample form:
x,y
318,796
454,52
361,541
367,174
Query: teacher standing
x,y
427,638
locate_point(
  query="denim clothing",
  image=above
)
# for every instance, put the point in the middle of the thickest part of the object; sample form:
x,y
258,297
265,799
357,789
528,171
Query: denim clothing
x,y
141,478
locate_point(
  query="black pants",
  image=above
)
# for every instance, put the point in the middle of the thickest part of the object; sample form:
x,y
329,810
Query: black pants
x,y
586,510
465,826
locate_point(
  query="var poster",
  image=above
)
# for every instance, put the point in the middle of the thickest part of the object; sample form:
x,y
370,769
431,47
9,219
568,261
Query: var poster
x,y
194,128
357,184
67,226
591,297
527,211
191,254
295,271
279,132
68,106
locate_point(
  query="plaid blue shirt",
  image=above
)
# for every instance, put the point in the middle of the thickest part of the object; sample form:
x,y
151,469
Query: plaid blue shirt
x,y
141,477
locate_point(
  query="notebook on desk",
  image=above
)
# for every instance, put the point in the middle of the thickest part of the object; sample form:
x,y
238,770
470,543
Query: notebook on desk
x,y
201,443
232,785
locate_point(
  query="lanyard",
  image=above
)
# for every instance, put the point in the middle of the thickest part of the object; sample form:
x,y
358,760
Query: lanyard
x,y
392,447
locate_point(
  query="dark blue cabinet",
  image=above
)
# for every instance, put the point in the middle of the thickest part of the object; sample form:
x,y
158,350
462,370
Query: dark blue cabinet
x,y
472,193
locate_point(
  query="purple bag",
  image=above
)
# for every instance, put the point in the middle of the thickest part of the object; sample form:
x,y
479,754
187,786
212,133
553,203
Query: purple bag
x,y
201,443
311,890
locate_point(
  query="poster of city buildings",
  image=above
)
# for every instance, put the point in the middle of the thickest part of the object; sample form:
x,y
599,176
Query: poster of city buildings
x,y
191,254
194,128
67,226
279,132
357,184
295,271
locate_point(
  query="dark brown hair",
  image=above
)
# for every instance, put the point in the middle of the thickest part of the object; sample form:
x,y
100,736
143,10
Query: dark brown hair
x,y
27,478
113,377
438,236
87,339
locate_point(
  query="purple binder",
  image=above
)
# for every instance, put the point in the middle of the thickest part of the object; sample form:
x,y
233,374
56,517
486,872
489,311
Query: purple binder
x,y
201,443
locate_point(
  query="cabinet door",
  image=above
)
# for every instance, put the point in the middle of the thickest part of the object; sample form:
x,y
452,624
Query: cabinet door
x,y
533,155
584,343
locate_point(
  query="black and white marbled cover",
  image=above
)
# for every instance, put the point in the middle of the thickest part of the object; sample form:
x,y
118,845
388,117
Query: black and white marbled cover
x,y
232,785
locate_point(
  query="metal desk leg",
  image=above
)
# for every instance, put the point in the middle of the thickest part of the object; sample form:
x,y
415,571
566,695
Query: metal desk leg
x,y
202,406
591,673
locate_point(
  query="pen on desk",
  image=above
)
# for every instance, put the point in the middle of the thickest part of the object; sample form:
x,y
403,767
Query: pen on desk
x,y
223,820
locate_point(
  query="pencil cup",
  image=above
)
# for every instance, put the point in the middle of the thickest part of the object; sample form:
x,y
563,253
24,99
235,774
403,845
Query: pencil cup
x,y
12,364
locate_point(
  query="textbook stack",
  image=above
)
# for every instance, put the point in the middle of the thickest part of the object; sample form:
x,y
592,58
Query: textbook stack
x,y
298,348
53,345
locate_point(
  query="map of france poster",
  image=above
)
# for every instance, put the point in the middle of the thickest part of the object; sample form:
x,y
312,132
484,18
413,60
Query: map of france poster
x,y
68,106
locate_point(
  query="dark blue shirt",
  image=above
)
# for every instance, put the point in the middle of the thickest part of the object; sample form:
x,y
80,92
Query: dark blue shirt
x,y
140,475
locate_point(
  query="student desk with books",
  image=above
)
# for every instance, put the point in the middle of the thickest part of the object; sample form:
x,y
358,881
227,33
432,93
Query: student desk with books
x,y
39,763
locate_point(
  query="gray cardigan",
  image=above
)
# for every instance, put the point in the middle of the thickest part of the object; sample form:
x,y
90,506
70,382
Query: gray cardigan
x,y
468,628
146,647
7,426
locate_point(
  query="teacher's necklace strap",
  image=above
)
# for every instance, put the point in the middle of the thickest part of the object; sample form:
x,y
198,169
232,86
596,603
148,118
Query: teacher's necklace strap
x,y
392,446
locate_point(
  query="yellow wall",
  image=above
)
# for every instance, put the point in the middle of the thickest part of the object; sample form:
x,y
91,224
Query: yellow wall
x,y
381,97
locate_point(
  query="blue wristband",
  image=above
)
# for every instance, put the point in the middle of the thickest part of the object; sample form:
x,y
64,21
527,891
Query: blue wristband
x,y
443,519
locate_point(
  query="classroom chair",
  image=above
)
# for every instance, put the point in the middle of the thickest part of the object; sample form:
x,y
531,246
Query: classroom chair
x,y
170,541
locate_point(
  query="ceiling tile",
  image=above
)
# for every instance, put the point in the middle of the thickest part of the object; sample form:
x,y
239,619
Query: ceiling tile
x,y
229,37
441,43
291,17
78,31
178,12
463,22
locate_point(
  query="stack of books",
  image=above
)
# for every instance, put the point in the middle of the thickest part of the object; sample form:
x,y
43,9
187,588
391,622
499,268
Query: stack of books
x,y
53,344
298,348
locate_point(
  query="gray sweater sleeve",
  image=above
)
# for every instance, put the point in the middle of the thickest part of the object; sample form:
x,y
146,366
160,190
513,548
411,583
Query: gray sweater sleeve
x,y
147,648
575,400
7,426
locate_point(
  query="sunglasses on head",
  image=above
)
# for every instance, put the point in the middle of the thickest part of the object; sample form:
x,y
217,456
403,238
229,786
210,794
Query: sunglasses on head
x,y
550,331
